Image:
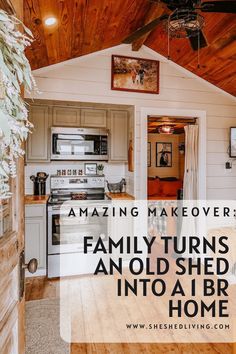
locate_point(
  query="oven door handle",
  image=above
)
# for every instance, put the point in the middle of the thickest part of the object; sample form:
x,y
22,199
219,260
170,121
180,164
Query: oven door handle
x,y
51,209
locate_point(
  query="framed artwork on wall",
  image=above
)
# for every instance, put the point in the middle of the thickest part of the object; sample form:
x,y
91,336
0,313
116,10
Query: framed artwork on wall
x,y
163,154
149,158
134,74
90,168
232,145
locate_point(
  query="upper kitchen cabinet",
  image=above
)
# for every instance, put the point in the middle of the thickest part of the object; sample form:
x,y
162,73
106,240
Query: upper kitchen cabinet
x,y
66,117
94,118
38,142
118,126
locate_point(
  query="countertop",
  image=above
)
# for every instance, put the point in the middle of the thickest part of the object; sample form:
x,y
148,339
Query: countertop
x,y
36,199
119,196
42,199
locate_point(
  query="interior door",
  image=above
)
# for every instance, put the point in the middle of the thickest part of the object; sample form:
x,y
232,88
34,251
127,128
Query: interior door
x,y
11,246
12,332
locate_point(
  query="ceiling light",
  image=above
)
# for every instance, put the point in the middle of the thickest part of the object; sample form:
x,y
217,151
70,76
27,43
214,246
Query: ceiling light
x,y
50,21
166,129
184,23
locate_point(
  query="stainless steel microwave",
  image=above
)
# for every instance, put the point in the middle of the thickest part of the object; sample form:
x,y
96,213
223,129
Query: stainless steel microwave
x,y
79,144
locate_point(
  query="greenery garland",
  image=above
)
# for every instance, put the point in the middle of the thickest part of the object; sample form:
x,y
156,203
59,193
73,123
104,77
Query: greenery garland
x,y
14,71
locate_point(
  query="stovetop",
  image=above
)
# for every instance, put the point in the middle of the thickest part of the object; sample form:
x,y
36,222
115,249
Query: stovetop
x,y
64,188
60,200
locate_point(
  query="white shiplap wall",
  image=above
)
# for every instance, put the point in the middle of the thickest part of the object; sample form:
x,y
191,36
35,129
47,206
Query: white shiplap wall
x,y
88,78
113,172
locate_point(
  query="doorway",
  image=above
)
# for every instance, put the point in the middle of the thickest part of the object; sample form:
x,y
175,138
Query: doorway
x,y
166,156
200,116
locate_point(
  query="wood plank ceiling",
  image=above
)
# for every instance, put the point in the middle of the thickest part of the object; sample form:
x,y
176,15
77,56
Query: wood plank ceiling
x,y
86,26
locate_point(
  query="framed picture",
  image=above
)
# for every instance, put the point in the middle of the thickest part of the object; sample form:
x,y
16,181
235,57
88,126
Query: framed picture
x,y
149,151
232,146
90,168
163,154
135,74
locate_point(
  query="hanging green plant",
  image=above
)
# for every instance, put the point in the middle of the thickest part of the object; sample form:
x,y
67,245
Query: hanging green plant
x,y
14,71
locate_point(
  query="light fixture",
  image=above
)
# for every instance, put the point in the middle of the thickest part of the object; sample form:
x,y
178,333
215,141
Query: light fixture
x,y
50,21
166,129
184,23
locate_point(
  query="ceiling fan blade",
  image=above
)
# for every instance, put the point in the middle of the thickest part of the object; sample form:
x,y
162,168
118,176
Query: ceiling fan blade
x,y
194,40
219,6
145,29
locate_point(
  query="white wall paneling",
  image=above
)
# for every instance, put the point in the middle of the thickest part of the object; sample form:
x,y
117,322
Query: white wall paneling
x,y
87,79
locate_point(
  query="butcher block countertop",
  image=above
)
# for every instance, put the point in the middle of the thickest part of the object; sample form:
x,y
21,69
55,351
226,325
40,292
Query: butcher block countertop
x,y
36,199
119,196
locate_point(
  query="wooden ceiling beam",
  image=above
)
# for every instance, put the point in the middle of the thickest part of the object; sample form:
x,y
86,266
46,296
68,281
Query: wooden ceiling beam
x,y
155,11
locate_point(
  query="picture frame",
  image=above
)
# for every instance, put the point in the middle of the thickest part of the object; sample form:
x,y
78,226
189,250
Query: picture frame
x,y
135,74
163,154
90,169
149,154
232,144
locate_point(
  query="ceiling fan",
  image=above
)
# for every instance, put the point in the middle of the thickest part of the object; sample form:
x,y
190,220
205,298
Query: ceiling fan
x,y
185,20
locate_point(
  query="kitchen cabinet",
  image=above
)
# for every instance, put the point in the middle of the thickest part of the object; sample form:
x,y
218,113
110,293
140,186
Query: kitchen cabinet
x,y
35,236
38,141
44,114
118,126
94,118
119,228
66,116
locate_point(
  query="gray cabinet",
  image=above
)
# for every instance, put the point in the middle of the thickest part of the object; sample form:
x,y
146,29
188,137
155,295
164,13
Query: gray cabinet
x,y
118,126
38,141
66,116
95,118
44,116
35,236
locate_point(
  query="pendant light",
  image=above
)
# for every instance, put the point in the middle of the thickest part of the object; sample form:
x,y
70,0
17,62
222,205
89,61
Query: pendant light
x,y
166,129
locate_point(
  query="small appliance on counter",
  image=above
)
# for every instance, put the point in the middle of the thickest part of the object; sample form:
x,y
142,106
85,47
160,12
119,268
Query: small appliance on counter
x,y
39,182
118,187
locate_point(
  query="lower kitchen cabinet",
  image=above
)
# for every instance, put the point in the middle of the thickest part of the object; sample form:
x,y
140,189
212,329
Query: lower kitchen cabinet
x,y
35,236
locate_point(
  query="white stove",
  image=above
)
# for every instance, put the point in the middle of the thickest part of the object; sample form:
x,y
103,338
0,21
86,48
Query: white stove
x,y
65,249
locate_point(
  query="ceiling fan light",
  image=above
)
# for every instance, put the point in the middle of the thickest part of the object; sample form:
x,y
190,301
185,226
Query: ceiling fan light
x,y
184,23
166,129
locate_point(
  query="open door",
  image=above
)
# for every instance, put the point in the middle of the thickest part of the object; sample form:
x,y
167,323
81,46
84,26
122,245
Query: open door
x,y
11,247
12,302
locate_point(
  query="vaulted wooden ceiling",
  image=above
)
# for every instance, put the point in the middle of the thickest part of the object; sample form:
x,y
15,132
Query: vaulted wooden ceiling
x,y
86,26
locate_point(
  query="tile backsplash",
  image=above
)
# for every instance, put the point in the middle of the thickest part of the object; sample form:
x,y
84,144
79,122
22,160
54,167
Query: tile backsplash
x,y
113,172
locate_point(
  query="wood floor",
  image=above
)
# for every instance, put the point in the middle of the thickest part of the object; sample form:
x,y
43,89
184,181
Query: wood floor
x,y
42,288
